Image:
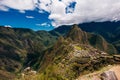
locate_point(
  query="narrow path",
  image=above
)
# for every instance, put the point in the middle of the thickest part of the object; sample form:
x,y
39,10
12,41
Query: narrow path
x,y
96,75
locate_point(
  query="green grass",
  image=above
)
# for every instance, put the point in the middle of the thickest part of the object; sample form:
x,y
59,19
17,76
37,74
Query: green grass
x,y
77,47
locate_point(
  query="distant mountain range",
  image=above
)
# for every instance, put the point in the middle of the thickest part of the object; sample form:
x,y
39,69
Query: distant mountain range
x,y
44,50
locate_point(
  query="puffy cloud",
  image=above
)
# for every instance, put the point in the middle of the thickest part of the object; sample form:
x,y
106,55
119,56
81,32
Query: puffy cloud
x,y
2,8
31,17
21,11
83,11
8,26
44,24
19,4
67,12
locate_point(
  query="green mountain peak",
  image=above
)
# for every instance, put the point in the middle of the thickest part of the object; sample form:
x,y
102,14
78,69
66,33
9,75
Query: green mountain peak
x,y
77,35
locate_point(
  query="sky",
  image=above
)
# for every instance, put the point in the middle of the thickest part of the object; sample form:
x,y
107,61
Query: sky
x,y
50,14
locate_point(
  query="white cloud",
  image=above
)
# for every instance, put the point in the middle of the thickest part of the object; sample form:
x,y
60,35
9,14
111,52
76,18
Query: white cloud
x,y
84,10
31,17
21,11
41,11
43,24
2,8
8,26
21,5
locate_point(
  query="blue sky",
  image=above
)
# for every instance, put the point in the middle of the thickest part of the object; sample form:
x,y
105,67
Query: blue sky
x,y
49,14
29,19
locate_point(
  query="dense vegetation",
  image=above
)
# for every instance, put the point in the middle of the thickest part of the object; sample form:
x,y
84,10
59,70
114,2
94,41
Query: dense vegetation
x,y
21,47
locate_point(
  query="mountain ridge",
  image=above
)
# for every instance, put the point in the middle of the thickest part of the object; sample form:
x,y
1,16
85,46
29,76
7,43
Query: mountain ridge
x,y
108,30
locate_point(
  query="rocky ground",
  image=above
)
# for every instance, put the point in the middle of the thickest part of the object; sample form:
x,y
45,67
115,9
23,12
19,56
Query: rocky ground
x,y
97,75
116,69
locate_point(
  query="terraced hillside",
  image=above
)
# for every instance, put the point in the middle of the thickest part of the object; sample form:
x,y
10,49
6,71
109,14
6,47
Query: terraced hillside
x,y
67,60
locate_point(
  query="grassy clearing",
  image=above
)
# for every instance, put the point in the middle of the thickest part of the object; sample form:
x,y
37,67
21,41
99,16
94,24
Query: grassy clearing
x,y
77,47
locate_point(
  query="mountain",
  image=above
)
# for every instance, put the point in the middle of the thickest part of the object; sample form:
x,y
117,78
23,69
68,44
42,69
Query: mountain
x,y
52,53
77,35
97,41
74,55
21,47
109,30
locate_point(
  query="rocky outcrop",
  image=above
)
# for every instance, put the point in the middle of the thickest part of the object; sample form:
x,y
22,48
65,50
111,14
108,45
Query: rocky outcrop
x,y
108,75
117,58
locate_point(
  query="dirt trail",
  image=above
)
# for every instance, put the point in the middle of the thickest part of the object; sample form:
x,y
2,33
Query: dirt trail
x,y
96,75
116,69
